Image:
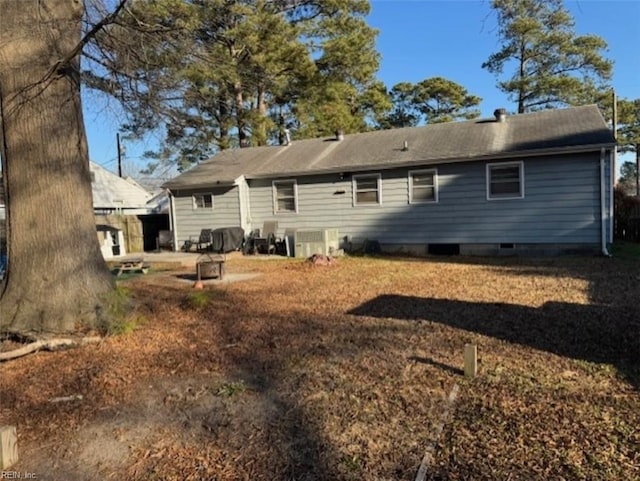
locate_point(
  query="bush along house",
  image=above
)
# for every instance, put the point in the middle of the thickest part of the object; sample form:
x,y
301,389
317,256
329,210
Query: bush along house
x,y
536,183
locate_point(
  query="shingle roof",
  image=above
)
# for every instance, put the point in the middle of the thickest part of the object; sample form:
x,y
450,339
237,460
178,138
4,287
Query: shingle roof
x,y
563,130
112,192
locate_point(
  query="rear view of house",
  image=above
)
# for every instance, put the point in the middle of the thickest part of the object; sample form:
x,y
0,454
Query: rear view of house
x,y
538,182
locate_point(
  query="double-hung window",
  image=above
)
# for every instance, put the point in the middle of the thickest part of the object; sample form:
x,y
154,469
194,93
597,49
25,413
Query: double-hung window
x,y
505,180
367,189
285,197
423,186
203,201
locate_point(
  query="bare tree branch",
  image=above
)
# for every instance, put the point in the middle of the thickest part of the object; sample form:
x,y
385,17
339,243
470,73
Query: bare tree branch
x,y
89,36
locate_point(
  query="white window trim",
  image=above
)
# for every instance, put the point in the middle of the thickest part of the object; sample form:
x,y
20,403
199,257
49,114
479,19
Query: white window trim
x,y
435,186
354,187
195,205
274,191
520,165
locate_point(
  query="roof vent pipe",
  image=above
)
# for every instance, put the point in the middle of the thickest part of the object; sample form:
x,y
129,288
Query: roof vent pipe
x,y
405,146
339,134
500,115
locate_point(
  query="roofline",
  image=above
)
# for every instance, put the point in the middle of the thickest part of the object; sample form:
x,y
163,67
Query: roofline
x,y
441,160
200,185
395,165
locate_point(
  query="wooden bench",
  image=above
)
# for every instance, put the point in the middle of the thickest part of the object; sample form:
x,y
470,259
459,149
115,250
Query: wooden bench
x,y
132,265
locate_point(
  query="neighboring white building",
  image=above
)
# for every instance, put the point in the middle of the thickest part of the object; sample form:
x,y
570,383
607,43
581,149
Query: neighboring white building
x,y
114,197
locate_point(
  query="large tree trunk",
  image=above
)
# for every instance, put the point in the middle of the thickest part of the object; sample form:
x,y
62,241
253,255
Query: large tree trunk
x,y
240,116
57,280
521,77
260,128
223,117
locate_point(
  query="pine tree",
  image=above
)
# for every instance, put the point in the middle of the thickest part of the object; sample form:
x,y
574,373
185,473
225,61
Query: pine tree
x,y
553,65
227,74
431,100
403,112
629,141
442,100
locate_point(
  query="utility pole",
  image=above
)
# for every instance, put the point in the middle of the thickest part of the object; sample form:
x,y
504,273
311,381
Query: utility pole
x,y
614,123
119,154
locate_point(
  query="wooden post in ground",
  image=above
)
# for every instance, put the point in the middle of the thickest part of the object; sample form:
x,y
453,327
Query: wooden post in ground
x,y
470,360
8,446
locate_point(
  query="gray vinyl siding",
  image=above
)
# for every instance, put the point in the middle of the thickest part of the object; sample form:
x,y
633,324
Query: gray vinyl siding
x,y
561,205
190,221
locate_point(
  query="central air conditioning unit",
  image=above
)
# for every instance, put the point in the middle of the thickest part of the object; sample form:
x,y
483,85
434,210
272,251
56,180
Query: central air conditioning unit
x,y
309,242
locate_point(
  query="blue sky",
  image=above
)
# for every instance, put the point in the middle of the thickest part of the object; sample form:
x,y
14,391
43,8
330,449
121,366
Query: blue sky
x,y
419,39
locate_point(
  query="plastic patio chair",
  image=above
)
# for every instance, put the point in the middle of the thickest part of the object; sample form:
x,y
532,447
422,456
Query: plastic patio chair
x,y
266,243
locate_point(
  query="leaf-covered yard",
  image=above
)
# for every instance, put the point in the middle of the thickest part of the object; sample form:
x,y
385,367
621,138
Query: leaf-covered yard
x,y
342,372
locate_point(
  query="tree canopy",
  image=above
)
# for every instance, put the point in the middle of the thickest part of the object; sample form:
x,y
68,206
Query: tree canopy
x,y
432,100
629,141
551,65
215,74
628,176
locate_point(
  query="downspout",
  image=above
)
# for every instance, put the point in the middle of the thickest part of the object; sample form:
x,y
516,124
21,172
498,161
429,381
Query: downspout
x,y
172,220
603,206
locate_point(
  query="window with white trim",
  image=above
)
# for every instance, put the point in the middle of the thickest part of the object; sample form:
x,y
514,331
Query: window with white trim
x,y
367,189
505,180
423,186
203,201
285,196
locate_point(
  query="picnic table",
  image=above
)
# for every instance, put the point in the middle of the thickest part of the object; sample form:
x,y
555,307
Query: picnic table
x,y
135,265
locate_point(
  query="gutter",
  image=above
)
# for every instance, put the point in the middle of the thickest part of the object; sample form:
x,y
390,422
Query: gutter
x,y
199,185
603,206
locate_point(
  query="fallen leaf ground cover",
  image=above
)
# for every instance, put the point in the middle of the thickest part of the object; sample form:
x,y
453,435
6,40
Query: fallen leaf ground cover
x,y
342,372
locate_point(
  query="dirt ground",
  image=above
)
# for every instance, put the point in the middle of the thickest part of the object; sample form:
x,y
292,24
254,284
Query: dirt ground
x,y
342,372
